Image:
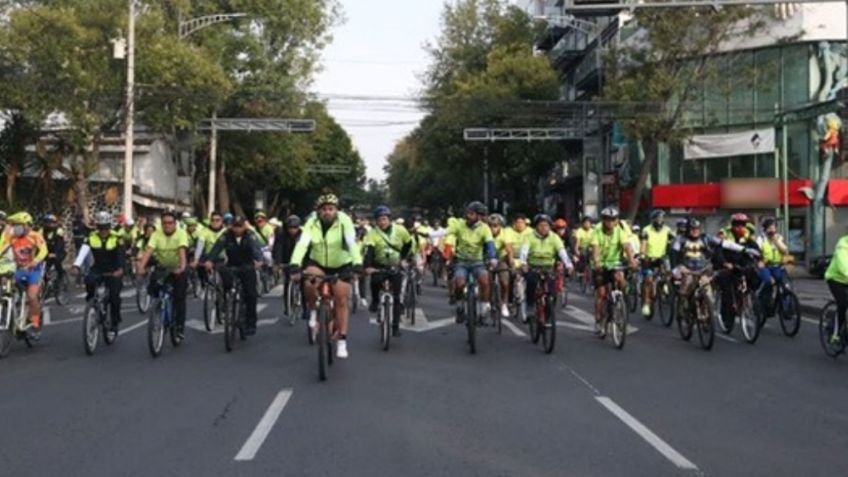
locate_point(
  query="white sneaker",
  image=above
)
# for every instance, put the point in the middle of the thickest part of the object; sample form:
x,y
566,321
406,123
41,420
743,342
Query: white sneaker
x,y
341,349
646,310
363,302
313,319
504,310
487,308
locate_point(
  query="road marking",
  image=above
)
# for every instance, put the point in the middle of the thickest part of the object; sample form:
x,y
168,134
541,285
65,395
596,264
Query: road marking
x,y
727,338
587,319
45,316
133,327
577,326
260,433
811,321
62,322
514,328
655,441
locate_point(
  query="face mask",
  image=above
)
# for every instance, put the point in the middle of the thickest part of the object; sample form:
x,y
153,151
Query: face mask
x,y
771,233
19,230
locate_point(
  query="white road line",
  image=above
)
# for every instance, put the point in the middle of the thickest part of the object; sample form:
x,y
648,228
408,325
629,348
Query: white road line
x,y
655,441
260,433
515,330
133,327
45,316
63,322
811,321
727,338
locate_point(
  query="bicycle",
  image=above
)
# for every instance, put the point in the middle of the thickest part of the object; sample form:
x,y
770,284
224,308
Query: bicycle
x,y
543,323
355,296
142,297
161,318
234,312
615,315
495,311
631,291
194,288
14,317
561,286
325,333
212,301
747,307
97,318
785,305
698,311
665,296
833,333
519,307
53,286
386,316
437,265
293,299
587,284
410,292
468,310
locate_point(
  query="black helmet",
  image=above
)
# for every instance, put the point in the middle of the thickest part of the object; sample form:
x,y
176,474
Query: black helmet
x,y
609,213
768,222
682,223
657,214
542,218
293,221
693,223
477,207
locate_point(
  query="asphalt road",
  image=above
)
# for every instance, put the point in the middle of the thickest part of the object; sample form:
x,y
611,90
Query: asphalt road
x,y
427,407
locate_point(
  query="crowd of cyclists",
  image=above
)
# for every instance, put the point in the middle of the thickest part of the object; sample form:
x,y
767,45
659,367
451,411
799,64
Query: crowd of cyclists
x,y
506,259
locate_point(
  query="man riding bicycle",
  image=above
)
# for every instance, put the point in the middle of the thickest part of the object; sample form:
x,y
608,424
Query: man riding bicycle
x,y
327,246
54,237
738,262
609,243
29,250
505,251
285,240
771,268
243,256
583,242
695,254
169,247
106,248
386,246
656,239
474,243
540,252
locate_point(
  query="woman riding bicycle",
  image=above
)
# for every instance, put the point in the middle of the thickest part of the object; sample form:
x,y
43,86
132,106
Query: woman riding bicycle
x,y
540,252
386,246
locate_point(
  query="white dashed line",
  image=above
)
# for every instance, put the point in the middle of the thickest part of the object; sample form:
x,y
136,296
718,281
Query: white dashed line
x,y
260,433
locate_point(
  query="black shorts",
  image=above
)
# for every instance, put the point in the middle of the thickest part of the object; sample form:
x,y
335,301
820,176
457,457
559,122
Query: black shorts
x,y
345,272
604,277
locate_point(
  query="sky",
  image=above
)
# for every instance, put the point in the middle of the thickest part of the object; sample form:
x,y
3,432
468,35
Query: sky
x,y
371,71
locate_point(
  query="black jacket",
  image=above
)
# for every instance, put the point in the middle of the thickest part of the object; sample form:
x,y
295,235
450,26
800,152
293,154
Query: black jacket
x,y
284,246
239,253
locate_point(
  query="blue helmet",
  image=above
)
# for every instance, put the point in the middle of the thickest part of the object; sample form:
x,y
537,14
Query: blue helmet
x,y
657,214
228,218
382,211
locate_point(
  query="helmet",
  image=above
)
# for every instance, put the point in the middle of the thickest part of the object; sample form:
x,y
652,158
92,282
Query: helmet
x,y
635,228
260,214
2,215
477,207
657,214
609,213
382,211
768,222
275,222
293,221
681,223
542,218
239,220
185,215
228,218
190,221
400,221
103,219
693,223
327,199
497,219
49,218
587,218
560,224
739,217
21,218
130,222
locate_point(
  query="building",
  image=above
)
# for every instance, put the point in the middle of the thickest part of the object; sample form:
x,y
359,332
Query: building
x,y
767,107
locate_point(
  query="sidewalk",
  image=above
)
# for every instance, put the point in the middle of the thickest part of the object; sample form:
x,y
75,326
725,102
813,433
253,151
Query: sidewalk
x,y
812,292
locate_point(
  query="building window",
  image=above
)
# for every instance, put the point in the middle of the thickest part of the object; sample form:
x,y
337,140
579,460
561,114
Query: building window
x,y
767,87
717,169
741,81
693,171
765,165
743,166
796,75
798,141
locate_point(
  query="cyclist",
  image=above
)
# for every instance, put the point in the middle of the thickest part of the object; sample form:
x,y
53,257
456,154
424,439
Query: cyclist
x,y
520,228
736,262
771,268
474,243
583,241
656,239
54,236
504,248
264,230
836,276
241,247
696,252
327,246
540,252
609,243
29,251
169,246
107,250
386,246
284,242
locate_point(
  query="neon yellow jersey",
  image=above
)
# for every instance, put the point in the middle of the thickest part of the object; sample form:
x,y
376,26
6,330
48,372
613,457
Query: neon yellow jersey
x,y
334,247
771,254
503,239
656,241
470,241
611,246
837,271
387,246
541,251
166,248
583,237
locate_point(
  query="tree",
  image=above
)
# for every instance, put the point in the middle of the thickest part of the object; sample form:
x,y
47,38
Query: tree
x,y
660,69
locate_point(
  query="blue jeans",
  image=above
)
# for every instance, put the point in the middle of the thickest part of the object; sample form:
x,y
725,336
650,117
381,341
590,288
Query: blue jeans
x,y
463,269
767,274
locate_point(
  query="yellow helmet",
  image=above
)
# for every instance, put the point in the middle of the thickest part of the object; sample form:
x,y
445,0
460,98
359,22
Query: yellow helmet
x,y
20,218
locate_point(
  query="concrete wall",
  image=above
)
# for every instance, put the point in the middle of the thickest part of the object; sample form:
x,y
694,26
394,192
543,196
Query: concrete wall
x,y
836,223
155,173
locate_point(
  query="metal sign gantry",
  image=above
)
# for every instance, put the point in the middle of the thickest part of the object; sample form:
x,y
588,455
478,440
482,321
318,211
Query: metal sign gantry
x,y
188,27
258,125
522,134
329,169
586,7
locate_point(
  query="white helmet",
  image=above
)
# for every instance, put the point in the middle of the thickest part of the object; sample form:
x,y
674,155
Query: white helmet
x,y
103,218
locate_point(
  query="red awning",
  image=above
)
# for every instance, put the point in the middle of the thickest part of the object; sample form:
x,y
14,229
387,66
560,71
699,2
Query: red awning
x,y
837,192
704,196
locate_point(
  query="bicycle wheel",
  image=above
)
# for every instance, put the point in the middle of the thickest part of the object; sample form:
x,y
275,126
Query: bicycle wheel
x,y
230,325
109,336
584,281
409,304
831,338
295,303
210,310
6,333
548,328
155,329
33,335
90,328
323,340
684,320
706,327
63,290
632,294
665,303
749,319
535,322
726,322
142,298
789,312
386,317
471,320
619,325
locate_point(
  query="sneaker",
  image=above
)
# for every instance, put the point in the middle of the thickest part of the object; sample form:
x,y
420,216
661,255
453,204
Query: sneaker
x,y
313,320
504,310
363,302
341,349
487,309
180,333
646,310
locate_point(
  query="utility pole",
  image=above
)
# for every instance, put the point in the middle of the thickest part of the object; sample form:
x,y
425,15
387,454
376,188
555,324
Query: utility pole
x,y
129,144
213,165
486,175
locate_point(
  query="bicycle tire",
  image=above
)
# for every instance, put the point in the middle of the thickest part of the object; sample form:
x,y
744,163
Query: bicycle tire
x,y
827,323
619,325
471,320
109,336
5,334
63,288
706,324
323,341
387,316
155,329
295,303
209,308
665,303
142,298
632,293
549,327
789,312
533,323
90,328
230,325
749,319
684,321
726,323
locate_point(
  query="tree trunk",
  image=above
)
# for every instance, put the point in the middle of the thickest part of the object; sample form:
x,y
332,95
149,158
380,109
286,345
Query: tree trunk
x,y
223,193
11,180
648,155
817,231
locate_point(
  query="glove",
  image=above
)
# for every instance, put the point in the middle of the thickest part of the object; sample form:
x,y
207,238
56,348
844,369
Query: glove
x,y
752,252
